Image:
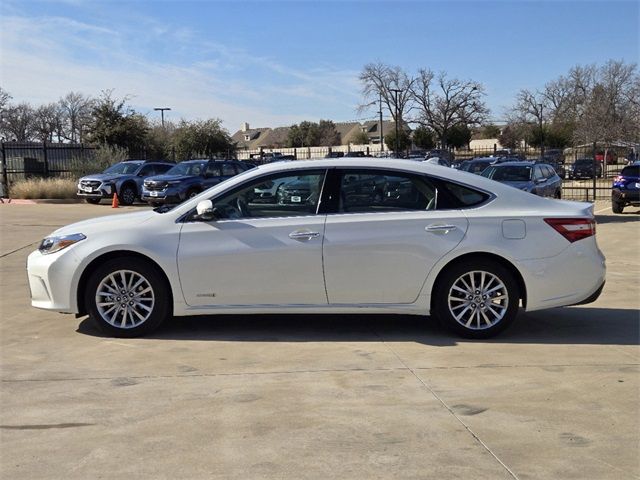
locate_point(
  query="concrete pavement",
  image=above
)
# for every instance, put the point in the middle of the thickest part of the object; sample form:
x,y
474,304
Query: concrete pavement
x,y
556,396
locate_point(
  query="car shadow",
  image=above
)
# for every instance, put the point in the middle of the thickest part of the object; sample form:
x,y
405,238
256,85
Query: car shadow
x,y
624,217
571,326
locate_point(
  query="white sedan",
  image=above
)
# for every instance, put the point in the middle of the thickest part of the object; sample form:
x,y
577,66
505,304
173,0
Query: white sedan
x,y
338,236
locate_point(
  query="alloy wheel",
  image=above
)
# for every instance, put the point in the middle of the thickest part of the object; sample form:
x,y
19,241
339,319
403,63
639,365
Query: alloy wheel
x,y
478,300
124,299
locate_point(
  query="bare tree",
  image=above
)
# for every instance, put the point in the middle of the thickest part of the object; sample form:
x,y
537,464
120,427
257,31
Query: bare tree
x,y
380,80
46,119
444,103
17,122
77,110
4,98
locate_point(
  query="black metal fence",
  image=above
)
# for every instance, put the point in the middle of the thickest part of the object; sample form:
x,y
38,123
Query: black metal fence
x,y
28,160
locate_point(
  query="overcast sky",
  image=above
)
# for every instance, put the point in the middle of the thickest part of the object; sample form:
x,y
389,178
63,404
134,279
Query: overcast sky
x,y
275,63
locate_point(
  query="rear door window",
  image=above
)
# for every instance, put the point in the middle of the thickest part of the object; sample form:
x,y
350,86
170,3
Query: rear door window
x,y
228,169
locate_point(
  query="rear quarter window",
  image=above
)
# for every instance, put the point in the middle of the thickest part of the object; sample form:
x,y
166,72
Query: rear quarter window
x,y
463,196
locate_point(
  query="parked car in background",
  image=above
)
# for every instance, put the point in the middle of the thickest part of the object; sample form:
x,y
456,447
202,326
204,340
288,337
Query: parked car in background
x,y
557,166
356,154
626,188
441,153
537,178
583,168
466,249
189,178
334,155
611,156
476,165
438,161
124,179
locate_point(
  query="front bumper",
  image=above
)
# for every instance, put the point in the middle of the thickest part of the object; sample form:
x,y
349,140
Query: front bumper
x,y
50,278
105,190
168,195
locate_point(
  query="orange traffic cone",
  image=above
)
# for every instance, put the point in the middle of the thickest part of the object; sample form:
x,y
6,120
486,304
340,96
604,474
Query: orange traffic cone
x,y
114,202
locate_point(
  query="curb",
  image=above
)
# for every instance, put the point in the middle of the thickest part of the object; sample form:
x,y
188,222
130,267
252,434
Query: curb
x,y
24,201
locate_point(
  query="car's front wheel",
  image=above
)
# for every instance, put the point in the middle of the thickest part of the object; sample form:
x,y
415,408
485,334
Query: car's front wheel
x,y
477,298
127,195
92,201
127,297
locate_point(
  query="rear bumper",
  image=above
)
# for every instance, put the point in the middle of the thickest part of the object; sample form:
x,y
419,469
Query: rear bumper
x,y
626,196
572,277
593,297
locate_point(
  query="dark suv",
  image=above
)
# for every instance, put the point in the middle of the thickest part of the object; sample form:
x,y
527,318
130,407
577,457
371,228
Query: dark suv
x,y
124,178
626,188
189,178
583,168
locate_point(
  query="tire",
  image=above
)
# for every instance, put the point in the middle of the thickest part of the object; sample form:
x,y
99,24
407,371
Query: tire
x,y
617,207
93,201
558,195
143,312
127,195
475,318
192,193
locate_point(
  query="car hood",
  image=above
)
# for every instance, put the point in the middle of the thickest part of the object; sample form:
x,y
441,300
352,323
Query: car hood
x,y
106,177
170,178
109,223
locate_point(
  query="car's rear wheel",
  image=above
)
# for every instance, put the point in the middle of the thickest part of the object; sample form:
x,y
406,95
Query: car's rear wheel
x,y
127,297
477,298
617,207
92,201
127,195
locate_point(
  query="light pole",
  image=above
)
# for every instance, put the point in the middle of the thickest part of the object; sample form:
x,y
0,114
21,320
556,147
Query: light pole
x,y
541,133
161,110
396,91
380,112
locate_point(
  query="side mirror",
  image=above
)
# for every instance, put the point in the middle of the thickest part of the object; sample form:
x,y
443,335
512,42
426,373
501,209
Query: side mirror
x,y
205,211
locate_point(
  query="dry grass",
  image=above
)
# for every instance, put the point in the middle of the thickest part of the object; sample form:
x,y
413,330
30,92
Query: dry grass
x,y
58,188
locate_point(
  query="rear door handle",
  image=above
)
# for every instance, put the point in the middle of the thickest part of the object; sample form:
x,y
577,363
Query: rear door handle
x,y
440,229
303,235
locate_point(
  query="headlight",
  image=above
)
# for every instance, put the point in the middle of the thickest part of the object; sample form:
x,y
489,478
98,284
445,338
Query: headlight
x,y
55,244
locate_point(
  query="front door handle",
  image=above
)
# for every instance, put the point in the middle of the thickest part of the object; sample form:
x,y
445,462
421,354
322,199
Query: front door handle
x,y
440,229
303,235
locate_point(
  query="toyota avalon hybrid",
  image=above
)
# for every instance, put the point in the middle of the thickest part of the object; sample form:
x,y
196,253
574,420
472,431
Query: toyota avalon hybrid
x,y
462,247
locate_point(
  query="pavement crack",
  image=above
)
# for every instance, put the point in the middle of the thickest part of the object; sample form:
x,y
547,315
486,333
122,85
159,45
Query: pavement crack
x,y
17,250
449,409
193,375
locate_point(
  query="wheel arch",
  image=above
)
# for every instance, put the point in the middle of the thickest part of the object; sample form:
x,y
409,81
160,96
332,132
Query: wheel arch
x,y
522,288
96,262
129,183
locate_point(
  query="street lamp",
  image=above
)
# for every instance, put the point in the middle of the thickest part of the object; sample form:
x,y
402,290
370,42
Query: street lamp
x,y
161,110
380,112
396,91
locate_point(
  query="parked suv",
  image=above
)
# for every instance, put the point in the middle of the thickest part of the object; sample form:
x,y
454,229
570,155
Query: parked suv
x,y
626,188
124,178
189,178
537,178
583,168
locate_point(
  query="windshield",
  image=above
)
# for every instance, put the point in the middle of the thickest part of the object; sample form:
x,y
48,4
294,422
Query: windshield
x,y
185,168
123,167
509,173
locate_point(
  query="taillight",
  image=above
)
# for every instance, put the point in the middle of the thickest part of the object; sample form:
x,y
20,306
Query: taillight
x,y
573,229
